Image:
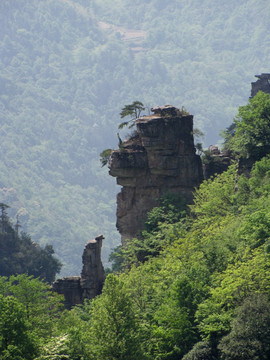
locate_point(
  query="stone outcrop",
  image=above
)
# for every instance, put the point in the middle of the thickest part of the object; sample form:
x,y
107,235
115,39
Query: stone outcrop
x,y
70,287
262,84
78,288
160,157
216,162
92,275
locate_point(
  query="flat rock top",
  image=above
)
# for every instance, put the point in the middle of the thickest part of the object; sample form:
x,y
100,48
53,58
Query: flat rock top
x,y
164,107
148,117
263,76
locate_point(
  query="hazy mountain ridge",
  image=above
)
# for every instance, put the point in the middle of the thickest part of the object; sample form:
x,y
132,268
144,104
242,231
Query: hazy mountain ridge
x,y
64,80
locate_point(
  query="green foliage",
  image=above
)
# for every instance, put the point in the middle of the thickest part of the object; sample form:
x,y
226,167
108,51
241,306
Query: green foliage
x,y
185,301
56,349
201,351
227,134
117,259
174,329
19,254
250,138
210,264
115,330
157,234
173,332
41,306
4,217
216,198
65,68
197,134
133,110
249,275
249,338
260,180
16,341
172,207
105,156
74,332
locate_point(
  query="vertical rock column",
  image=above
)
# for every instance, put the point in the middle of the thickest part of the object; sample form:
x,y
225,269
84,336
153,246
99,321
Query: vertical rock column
x,y
78,288
160,158
92,275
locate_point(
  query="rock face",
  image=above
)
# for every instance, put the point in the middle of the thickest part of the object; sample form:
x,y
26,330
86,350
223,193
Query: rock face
x,y
78,288
262,84
92,275
216,162
70,287
160,157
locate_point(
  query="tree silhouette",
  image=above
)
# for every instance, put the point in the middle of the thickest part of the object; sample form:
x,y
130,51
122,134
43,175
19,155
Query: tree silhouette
x,y
4,217
134,110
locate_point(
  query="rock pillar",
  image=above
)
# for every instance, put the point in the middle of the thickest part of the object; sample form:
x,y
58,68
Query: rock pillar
x,y
92,275
78,288
159,158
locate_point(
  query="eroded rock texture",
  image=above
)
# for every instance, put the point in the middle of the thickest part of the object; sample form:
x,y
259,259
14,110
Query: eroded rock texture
x,y
159,158
216,162
78,288
70,287
92,275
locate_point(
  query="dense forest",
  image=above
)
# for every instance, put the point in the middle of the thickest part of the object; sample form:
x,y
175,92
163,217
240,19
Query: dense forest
x,y
68,67
199,292
20,255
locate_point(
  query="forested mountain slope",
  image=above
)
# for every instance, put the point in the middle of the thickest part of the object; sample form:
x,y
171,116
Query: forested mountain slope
x,y
194,286
66,70
20,255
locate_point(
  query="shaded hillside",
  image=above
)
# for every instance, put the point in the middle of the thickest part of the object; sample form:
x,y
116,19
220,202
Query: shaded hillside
x,y
68,67
20,255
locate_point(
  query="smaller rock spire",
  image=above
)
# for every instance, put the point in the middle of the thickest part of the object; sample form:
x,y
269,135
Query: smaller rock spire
x,y
75,288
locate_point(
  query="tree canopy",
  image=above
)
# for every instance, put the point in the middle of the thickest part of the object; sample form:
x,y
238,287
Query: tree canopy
x,y
65,67
249,135
189,299
133,110
199,297
29,312
19,254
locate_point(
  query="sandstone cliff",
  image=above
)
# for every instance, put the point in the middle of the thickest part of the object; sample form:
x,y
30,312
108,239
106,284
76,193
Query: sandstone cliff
x,y
160,157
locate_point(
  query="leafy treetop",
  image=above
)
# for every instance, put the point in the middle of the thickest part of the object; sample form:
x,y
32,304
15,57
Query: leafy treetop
x,y
248,137
134,110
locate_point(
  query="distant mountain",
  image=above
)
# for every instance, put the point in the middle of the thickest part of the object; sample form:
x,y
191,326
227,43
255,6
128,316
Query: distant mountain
x,y
66,70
